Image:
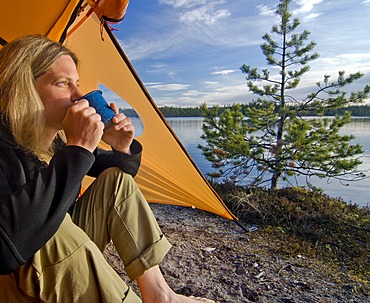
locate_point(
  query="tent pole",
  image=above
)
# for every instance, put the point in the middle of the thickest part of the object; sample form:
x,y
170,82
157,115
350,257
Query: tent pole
x,y
3,42
241,226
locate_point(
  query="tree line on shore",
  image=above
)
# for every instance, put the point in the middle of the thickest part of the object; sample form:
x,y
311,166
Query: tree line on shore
x,y
170,111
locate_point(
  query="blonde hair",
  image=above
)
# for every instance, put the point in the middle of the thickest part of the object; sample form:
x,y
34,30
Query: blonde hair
x,y
22,61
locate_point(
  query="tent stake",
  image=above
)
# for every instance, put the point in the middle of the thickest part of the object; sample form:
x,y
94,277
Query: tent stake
x,y
241,225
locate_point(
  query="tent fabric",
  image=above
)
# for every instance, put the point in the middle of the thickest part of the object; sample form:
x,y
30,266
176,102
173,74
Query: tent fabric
x,y
43,17
167,174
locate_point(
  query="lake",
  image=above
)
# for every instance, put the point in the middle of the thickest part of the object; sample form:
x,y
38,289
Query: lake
x,y
189,131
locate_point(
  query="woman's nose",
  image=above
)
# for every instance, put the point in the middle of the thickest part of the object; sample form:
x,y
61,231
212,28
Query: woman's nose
x,y
76,95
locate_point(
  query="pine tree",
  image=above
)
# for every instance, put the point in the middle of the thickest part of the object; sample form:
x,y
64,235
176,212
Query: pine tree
x,y
272,140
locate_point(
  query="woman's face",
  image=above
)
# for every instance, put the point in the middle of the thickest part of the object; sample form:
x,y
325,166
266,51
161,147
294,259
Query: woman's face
x,y
58,89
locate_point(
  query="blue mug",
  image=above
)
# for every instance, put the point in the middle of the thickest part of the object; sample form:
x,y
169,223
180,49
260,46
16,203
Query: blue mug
x,y
97,101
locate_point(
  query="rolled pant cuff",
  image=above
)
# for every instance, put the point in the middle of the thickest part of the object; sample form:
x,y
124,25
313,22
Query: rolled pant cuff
x,y
149,258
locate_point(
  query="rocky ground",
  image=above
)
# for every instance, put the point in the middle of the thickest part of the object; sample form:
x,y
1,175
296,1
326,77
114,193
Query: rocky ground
x,y
213,257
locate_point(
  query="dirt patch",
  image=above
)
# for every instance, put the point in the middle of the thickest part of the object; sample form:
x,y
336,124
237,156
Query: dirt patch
x,y
213,257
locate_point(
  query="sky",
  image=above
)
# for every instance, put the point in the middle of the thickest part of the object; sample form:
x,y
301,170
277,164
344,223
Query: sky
x,y
189,52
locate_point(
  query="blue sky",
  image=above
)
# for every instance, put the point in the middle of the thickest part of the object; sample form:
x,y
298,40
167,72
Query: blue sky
x,y
189,52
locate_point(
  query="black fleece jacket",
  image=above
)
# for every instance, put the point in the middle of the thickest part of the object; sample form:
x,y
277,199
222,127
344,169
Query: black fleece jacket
x,y
35,197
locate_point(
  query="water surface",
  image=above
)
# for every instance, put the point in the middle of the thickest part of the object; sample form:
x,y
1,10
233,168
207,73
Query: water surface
x,y
189,131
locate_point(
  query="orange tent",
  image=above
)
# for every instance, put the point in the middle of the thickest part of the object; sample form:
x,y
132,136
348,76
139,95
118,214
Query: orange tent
x,y
167,174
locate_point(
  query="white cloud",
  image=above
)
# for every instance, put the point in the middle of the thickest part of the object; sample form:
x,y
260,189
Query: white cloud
x,y
137,50
192,93
365,2
195,11
198,21
265,10
304,10
224,72
228,93
182,3
166,87
152,83
306,6
204,14
312,16
350,62
157,67
355,56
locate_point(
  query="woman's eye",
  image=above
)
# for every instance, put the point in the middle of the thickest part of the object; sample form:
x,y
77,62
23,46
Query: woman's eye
x,y
62,83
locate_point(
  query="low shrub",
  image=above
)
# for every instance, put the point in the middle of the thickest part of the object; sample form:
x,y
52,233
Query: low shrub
x,y
307,221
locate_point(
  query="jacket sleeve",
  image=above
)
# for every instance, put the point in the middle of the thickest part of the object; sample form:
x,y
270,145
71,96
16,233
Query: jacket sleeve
x,y
111,158
32,214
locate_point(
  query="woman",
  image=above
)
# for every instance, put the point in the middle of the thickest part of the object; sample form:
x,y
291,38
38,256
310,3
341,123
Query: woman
x,y
51,240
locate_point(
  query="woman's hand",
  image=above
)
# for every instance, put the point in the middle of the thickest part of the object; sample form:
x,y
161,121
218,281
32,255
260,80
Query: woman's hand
x,y
83,126
120,135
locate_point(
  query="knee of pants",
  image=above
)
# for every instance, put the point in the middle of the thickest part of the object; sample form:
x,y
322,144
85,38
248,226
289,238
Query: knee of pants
x,y
117,180
111,184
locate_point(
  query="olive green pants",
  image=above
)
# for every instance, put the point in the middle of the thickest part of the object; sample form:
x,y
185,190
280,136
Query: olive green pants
x,y
71,267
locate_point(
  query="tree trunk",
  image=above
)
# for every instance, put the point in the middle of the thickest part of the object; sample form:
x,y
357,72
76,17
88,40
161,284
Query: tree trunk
x,y
274,180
